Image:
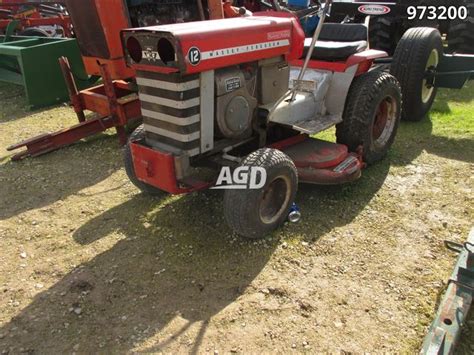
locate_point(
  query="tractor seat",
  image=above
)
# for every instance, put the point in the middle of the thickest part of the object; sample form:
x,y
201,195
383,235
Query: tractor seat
x,y
338,41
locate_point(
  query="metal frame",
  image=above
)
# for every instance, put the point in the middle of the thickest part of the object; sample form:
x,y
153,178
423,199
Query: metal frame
x,y
207,111
453,71
20,58
445,330
114,101
35,19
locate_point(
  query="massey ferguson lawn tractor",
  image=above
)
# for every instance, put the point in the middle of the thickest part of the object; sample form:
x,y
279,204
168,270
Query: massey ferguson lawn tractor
x,y
236,93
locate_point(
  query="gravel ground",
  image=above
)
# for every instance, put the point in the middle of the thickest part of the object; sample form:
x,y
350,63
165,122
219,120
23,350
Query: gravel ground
x,y
89,264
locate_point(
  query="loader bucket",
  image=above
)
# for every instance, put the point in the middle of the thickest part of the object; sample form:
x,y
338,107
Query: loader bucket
x,y
33,63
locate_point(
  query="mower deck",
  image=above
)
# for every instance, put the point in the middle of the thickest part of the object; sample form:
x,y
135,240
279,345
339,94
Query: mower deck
x,y
326,163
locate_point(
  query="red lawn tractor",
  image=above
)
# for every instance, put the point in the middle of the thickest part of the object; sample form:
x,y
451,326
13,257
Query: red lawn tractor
x,y
248,93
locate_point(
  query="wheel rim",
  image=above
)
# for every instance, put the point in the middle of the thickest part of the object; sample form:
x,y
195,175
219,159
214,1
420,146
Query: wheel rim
x,y
384,122
274,198
427,89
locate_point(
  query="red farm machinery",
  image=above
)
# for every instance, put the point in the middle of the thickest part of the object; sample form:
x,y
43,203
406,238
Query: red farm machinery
x,y
244,94
27,18
97,25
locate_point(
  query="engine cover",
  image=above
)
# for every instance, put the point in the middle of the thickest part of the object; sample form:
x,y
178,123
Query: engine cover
x,y
235,106
195,47
158,12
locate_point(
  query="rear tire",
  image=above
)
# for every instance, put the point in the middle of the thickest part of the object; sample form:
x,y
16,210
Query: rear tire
x,y
371,115
138,134
384,33
419,49
254,213
461,32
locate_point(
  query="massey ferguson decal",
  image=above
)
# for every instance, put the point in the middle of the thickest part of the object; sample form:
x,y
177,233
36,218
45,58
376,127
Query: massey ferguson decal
x,y
374,10
195,56
224,52
279,34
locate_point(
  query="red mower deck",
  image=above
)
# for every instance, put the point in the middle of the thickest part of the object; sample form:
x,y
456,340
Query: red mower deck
x,y
325,163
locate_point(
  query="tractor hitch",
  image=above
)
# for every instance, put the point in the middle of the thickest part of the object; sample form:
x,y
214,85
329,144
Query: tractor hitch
x,y
453,71
114,101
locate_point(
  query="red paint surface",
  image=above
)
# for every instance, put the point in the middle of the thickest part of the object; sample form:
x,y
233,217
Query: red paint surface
x,y
157,169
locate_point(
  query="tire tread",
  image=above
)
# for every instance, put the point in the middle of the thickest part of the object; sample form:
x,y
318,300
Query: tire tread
x,y
137,134
408,66
237,209
354,131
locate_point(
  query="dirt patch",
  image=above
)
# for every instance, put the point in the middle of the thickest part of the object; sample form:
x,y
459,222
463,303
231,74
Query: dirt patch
x,y
89,264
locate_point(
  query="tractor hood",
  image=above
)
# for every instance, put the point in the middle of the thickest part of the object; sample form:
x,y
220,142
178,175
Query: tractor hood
x,y
195,47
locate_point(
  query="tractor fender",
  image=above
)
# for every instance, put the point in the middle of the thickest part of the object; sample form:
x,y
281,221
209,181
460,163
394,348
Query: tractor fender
x,y
364,60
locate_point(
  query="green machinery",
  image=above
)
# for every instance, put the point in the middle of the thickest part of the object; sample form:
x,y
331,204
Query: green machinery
x,y
33,63
445,330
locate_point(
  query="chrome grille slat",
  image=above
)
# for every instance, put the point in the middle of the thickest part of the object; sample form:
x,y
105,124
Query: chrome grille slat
x,y
171,111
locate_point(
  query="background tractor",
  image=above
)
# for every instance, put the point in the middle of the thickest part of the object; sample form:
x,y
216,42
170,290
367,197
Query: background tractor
x,y
387,27
417,47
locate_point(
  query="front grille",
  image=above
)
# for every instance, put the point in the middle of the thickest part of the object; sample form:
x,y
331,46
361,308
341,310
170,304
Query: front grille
x,y
171,111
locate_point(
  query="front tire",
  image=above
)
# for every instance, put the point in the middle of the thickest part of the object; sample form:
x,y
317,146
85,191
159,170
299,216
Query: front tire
x,y
371,115
253,213
138,134
419,50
